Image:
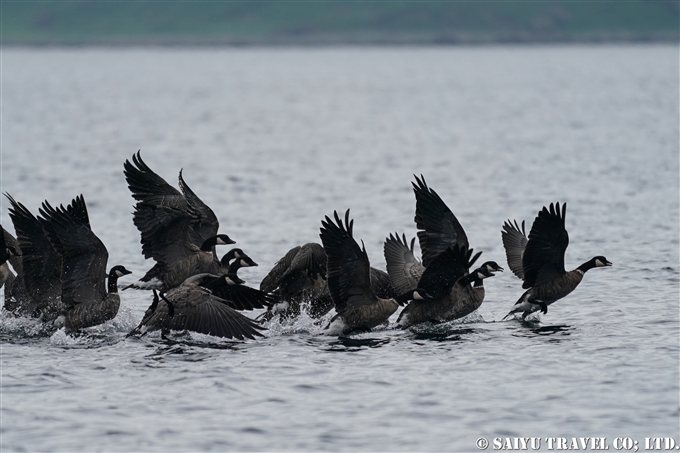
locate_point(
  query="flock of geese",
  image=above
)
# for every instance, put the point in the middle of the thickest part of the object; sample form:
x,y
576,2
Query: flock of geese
x,y
59,267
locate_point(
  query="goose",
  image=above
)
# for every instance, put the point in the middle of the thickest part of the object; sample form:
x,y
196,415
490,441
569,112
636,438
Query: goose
x,y
166,238
178,230
87,300
195,306
539,260
357,306
446,279
439,231
299,278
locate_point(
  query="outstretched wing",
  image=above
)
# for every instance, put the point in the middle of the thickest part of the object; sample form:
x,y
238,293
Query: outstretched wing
x,y
349,280
239,297
514,241
40,263
440,229
402,266
164,232
543,258
204,221
199,311
84,256
147,186
452,264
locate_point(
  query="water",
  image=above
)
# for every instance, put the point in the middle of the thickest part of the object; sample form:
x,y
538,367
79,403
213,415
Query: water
x,y
273,140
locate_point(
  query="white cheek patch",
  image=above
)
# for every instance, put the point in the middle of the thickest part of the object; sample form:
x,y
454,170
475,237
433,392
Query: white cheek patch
x,y
417,296
119,273
599,263
244,264
229,281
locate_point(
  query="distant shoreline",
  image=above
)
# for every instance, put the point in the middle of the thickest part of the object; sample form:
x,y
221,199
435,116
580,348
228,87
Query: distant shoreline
x,y
357,39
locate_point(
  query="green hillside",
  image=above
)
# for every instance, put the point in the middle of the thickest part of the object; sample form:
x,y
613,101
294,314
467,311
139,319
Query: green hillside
x,y
282,22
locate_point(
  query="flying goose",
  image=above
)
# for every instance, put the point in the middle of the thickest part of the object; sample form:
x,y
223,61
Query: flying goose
x,y
178,230
439,231
349,282
299,278
539,260
87,299
195,306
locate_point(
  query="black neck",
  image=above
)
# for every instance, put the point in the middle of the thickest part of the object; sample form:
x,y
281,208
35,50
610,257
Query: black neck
x,y
585,267
234,267
113,282
208,244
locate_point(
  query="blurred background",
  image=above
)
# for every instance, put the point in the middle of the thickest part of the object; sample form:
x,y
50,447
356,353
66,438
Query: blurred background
x,y
336,22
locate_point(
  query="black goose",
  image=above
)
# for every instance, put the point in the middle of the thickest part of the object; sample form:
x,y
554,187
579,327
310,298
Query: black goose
x,y
7,251
439,230
356,304
299,279
178,230
86,298
539,260
36,291
195,306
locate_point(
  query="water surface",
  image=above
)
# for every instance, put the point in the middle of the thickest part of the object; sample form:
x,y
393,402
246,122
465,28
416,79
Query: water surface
x,y
273,140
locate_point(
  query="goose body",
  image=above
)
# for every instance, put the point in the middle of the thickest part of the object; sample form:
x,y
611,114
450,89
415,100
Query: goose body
x,y
358,307
539,260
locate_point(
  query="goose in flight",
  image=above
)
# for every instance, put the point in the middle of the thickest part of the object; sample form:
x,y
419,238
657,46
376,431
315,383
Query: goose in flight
x,y
539,260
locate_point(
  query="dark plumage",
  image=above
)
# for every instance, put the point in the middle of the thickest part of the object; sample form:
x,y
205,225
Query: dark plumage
x,y
195,306
86,299
299,279
445,279
36,291
539,260
349,283
442,241
8,249
178,230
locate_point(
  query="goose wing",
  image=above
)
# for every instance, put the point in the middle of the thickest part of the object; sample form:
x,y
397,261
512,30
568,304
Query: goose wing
x,y
349,280
514,241
271,281
204,221
40,266
84,256
451,265
164,233
381,284
306,267
147,186
440,229
198,310
240,297
543,259
402,266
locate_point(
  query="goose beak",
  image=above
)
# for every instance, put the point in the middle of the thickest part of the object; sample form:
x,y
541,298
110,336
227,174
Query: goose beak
x,y
607,263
